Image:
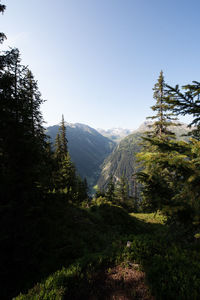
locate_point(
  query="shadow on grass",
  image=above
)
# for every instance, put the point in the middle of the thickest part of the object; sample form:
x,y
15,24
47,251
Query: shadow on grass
x,y
56,234
70,250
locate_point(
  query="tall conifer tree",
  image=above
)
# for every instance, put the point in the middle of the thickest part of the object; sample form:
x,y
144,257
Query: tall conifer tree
x,y
22,167
171,172
22,135
163,117
110,190
122,189
153,173
58,148
65,175
63,137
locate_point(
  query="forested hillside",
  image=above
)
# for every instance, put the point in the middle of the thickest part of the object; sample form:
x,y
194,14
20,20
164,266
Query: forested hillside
x,y
123,159
87,148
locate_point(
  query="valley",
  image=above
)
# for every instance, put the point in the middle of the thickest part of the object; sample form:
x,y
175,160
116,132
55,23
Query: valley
x,y
97,155
87,147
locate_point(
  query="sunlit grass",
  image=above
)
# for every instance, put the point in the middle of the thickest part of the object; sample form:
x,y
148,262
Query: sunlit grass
x,y
156,218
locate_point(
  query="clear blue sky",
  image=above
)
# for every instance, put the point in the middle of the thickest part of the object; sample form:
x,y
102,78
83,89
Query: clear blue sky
x,y
96,61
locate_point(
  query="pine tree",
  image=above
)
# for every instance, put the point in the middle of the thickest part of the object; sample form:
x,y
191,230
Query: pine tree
x,y
64,176
152,175
84,189
22,142
63,137
58,148
67,173
81,190
110,190
122,189
100,193
135,193
171,172
163,118
22,168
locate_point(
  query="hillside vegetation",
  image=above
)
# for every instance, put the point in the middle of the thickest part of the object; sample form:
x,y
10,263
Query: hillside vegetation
x,y
123,159
96,263
87,148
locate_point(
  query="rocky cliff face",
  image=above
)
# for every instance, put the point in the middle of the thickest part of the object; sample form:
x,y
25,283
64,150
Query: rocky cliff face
x,y
122,161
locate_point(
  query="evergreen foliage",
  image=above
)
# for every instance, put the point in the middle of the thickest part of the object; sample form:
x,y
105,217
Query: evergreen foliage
x,y
122,190
66,181
87,149
23,171
28,172
186,102
22,143
2,35
63,137
58,148
171,170
163,117
99,193
110,191
123,160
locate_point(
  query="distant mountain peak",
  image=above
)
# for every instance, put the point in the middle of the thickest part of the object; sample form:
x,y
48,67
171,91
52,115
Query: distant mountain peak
x,y
146,124
116,134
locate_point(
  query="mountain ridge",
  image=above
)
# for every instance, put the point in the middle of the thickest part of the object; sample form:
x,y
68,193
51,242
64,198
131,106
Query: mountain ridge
x,y
116,134
122,161
87,147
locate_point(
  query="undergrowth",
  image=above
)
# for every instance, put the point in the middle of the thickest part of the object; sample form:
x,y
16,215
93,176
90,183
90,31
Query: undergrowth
x,y
98,241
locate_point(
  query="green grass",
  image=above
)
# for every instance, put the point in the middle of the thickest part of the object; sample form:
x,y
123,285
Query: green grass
x,y
86,242
59,233
156,218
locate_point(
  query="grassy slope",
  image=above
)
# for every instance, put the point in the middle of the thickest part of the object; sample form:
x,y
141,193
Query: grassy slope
x,y
94,240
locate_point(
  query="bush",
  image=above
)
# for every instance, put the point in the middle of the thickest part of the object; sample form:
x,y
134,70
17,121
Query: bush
x,y
172,272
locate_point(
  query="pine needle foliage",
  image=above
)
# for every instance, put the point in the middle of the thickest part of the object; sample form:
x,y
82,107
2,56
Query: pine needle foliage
x,y
163,117
66,180
186,102
171,179
170,169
